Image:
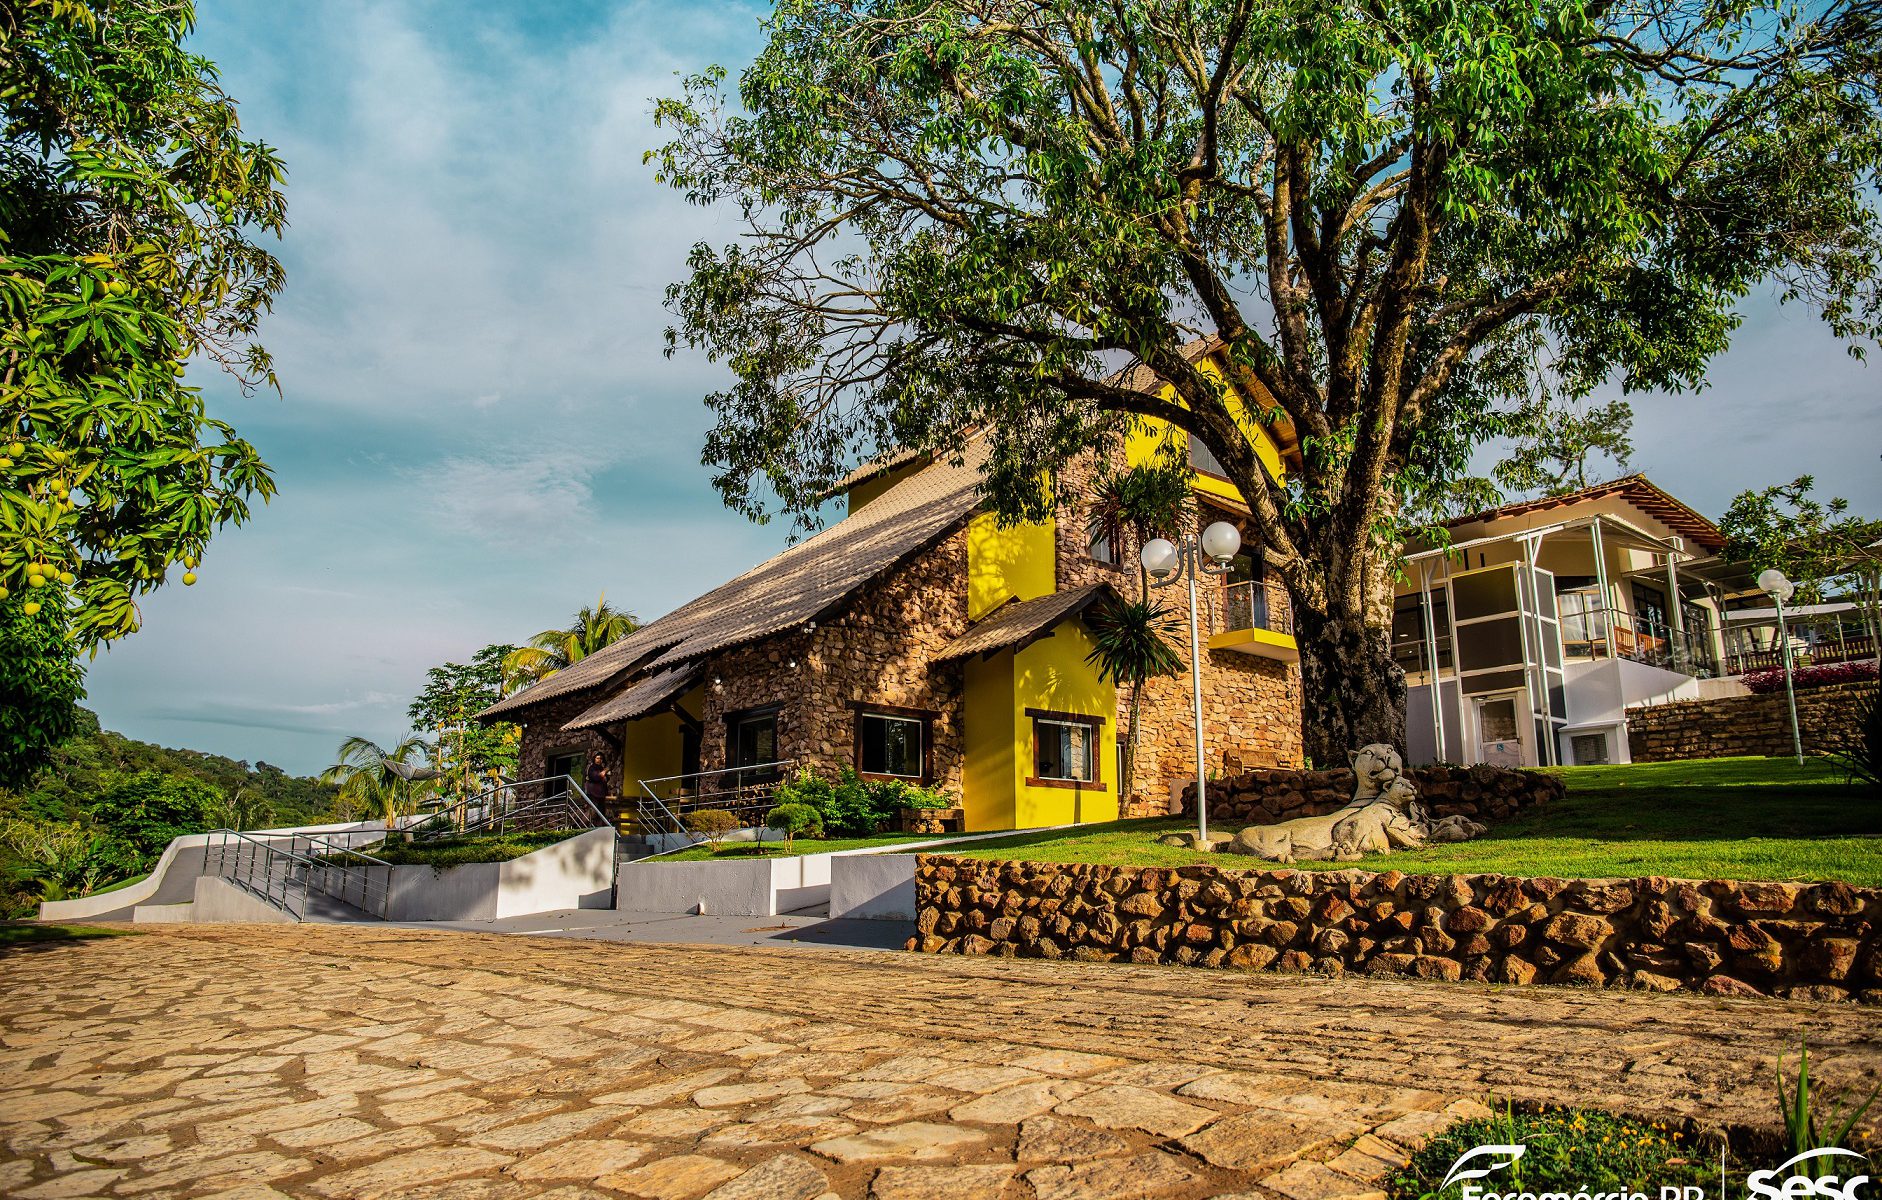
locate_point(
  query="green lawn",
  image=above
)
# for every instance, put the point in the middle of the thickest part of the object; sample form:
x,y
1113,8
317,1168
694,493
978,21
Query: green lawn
x,y
799,846
19,933
1729,818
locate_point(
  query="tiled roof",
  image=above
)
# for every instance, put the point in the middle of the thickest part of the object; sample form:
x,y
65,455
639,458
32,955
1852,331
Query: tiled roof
x,y
1017,624
789,589
638,700
1636,489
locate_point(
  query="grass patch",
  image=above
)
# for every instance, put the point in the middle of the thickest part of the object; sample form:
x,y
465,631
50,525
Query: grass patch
x,y
21,933
1576,1151
729,851
1733,818
473,848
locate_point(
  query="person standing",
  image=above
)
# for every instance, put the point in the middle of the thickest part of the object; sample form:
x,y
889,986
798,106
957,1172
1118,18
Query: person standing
x,y
596,781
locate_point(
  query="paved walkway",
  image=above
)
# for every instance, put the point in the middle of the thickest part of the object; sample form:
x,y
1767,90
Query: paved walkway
x,y
249,1062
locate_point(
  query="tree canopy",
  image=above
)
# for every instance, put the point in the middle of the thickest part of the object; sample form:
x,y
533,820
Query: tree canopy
x,y
132,208
1391,218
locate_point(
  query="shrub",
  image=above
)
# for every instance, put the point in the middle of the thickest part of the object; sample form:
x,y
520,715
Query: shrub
x,y
1565,1150
712,824
1821,675
921,797
794,820
1860,748
847,805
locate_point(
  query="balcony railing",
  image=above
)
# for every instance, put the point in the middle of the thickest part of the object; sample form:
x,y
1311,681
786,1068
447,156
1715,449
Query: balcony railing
x,y
1655,643
1252,604
1848,649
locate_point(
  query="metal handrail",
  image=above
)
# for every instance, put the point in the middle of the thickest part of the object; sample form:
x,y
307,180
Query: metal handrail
x,y
657,815
285,876
499,807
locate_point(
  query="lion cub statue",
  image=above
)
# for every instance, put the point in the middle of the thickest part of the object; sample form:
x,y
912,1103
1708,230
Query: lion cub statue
x,y
1384,814
1378,818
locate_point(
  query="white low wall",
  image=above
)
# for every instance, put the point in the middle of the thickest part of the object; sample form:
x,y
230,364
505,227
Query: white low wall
x,y
218,901
173,879
575,873
873,887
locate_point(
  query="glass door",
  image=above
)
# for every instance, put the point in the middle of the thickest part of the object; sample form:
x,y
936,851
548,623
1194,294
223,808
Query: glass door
x,y
1500,730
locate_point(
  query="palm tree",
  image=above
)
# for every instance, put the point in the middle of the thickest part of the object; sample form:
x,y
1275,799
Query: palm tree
x,y
380,779
1146,501
553,649
1131,644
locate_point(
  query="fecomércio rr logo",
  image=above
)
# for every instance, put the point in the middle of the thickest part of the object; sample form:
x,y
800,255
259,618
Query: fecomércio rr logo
x,y
1800,1177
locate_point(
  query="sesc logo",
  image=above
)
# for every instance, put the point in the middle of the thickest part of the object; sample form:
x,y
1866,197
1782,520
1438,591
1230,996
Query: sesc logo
x,y
1771,1185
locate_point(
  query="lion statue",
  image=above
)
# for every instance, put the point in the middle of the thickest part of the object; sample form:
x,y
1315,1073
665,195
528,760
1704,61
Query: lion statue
x,y
1384,814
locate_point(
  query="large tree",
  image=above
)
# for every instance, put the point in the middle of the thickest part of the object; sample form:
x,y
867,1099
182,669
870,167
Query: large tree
x,y
132,211
963,214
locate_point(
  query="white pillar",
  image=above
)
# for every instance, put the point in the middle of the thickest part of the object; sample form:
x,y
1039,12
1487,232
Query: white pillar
x,y
1601,580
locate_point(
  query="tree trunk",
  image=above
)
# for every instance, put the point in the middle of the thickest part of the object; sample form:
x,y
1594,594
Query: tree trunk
x,y
1352,693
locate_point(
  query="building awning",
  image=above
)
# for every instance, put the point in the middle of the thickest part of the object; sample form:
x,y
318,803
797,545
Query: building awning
x,y
1018,625
641,698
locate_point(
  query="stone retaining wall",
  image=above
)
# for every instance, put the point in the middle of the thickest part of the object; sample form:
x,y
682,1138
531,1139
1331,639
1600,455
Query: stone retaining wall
x,y
1736,725
1802,941
1481,793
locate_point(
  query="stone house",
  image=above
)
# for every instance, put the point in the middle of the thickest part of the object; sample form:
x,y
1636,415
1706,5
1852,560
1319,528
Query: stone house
x,y
917,639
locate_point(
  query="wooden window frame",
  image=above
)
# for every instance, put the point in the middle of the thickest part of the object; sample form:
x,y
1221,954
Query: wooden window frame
x,y
864,708
1093,723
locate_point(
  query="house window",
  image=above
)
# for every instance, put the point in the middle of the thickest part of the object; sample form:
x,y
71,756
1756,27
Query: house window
x,y
752,741
1101,548
1203,459
891,744
1065,748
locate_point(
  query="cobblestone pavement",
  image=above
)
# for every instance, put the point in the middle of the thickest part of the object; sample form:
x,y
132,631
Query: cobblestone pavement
x,y
354,1062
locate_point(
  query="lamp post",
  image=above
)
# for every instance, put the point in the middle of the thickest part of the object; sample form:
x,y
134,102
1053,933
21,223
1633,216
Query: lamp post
x,y
1166,562
1772,583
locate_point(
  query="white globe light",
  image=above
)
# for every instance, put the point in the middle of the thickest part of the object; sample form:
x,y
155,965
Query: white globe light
x,y
1772,582
1159,556
1221,540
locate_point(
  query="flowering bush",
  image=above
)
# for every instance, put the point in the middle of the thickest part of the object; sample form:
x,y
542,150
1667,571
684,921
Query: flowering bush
x,y
1822,675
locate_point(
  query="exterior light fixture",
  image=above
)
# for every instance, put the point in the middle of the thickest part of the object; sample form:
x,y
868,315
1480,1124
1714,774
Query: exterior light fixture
x,y
1160,557
1167,562
1773,583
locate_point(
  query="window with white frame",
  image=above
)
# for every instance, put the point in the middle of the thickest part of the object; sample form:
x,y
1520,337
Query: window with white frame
x,y
1065,748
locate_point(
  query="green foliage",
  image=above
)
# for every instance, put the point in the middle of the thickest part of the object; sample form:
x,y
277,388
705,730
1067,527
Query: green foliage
x,y
1807,1128
130,201
795,820
150,808
1551,456
1566,1150
473,754
1814,542
712,824
388,783
1131,643
1145,501
850,806
58,836
593,628
40,687
1860,749
13,935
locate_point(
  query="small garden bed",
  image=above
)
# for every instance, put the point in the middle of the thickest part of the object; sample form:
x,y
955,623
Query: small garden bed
x,y
1742,818
736,851
1571,1151
472,848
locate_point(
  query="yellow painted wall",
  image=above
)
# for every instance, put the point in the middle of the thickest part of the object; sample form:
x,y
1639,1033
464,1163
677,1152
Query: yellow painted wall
x,y
1052,673
1018,562
651,747
987,782
1150,435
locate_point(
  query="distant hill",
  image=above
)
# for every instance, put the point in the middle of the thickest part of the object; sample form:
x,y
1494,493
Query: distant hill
x,y
82,767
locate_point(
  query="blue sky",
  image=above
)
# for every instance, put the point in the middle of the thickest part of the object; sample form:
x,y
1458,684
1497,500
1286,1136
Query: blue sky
x,y
479,432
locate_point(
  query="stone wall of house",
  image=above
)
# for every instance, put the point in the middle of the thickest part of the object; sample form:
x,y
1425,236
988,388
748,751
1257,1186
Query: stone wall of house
x,y
1739,725
544,739
878,648
1482,793
1251,705
1801,941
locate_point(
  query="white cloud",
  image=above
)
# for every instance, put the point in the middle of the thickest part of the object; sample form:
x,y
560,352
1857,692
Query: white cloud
x,y
511,501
